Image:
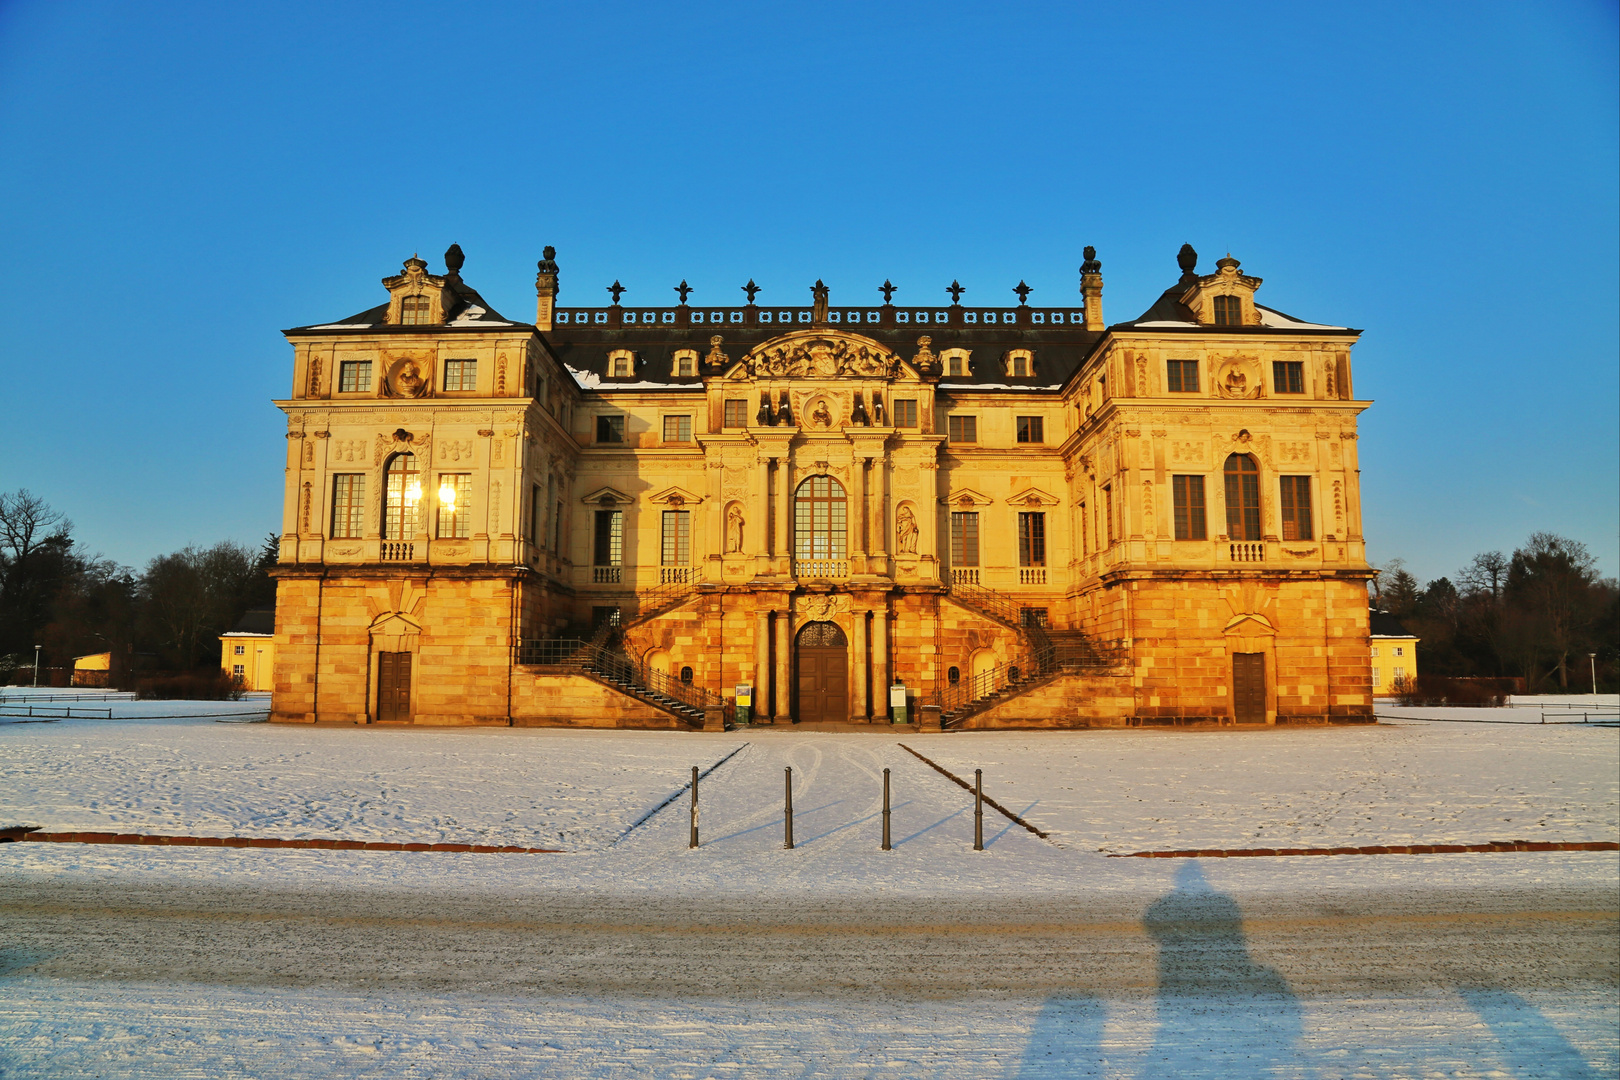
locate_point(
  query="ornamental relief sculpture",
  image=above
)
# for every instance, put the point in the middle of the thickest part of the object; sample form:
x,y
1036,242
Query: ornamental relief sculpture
x,y
408,377
1238,377
818,355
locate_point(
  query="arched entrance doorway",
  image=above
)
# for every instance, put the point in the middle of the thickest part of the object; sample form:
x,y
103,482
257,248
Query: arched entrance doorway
x,y
822,655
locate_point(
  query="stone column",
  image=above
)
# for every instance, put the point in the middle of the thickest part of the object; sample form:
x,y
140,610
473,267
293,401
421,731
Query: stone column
x,y
762,664
784,669
880,662
877,526
784,535
762,516
857,659
857,519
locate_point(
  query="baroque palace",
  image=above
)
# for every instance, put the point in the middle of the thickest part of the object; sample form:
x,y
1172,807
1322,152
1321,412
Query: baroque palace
x,y
687,516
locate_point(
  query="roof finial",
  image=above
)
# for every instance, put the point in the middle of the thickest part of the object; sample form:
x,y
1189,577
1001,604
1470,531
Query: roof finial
x,y
684,289
1023,292
548,261
1187,259
453,259
956,289
1091,265
617,290
888,289
751,289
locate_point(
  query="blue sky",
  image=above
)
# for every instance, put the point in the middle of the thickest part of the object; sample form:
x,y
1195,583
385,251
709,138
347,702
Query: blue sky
x,y
181,182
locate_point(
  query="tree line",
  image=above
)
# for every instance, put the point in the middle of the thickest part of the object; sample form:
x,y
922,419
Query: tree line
x,y
72,602
1537,615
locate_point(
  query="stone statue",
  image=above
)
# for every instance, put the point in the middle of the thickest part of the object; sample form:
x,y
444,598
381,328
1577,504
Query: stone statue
x,y
548,263
820,416
819,293
734,530
408,381
905,531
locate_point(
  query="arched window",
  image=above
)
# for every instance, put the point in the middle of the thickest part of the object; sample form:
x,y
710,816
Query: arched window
x,y
1242,498
1228,311
820,531
413,311
403,492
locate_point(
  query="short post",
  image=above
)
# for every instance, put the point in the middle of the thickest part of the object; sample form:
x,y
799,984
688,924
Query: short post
x,y
886,810
694,842
978,809
787,839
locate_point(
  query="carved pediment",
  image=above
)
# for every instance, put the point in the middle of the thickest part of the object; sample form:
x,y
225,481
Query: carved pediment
x,y
674,496
1032,497
966,499
607,497
821,354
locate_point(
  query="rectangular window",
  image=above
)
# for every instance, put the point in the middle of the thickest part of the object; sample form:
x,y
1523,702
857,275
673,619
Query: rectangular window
x,y
1108,511
239,650
677,429
1181,376
414,311
1085,532
1288,376
461,374
238,670
964,539
677,538
1375,650
1031,429
1296,508
1031,538
685,366
1400,650
1400,673
354,376
610,429
537,516
736,413
1188,495
1020,366
455,512
964,429
905,414
621,367
349,504
609,537
1228,311
956,365
1033,616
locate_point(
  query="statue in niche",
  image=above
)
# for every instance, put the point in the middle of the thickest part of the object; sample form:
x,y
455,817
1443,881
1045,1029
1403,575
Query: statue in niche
x,y
408,380
734,530
905,531
819,416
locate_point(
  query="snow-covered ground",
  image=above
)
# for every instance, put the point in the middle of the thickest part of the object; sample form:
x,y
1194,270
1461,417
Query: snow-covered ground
x,y
131,961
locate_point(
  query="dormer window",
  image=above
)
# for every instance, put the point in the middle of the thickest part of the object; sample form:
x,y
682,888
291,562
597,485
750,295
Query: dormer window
x,y
685,366
955,362
621,364
1020,363
1228,311
413,311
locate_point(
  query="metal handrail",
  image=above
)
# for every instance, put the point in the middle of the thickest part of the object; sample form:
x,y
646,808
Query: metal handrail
x,y
595,656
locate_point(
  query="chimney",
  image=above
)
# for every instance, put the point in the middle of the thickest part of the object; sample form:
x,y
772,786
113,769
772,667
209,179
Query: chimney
x,y
1091,289
545,288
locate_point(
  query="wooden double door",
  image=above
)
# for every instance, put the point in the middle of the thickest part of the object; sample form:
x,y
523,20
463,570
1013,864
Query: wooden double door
x,y
822,659
393,687
1249,688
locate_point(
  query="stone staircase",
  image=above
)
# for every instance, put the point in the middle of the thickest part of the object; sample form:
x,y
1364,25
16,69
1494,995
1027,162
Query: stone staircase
x,y
595,660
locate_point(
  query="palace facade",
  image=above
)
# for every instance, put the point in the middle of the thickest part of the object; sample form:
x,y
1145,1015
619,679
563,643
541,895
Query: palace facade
x,y
1000,516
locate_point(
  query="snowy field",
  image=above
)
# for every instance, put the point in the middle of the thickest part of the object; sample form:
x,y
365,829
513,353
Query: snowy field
x,y
634,956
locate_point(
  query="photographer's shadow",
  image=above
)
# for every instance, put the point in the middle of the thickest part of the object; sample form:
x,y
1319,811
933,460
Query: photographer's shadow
x,y
1217,1009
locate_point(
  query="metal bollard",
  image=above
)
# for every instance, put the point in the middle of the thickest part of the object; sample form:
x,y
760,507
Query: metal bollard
x,y
978,809
886,810
787,839
694,842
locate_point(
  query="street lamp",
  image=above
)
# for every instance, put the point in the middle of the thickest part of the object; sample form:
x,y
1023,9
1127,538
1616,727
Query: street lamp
x,y
36,664
1592,658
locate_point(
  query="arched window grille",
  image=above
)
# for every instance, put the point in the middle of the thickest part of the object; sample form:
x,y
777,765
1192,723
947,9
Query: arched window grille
x,y
402,489
1242,498
820,530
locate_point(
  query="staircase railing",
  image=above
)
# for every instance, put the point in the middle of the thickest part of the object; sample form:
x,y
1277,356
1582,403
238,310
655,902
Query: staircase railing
x,y
674,588
635,676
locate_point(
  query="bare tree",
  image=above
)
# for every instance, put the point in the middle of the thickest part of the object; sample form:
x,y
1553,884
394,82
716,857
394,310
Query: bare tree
x,y
1486,573
26,521
195,594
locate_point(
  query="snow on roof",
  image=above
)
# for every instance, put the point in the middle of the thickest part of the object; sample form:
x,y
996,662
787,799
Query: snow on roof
x,y
590,380
473,316
1274,318
1165,322
998,386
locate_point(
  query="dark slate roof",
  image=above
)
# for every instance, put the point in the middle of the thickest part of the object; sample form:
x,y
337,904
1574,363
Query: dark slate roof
x,y
258,621
1383,624
1168,309
1058,350
467,309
